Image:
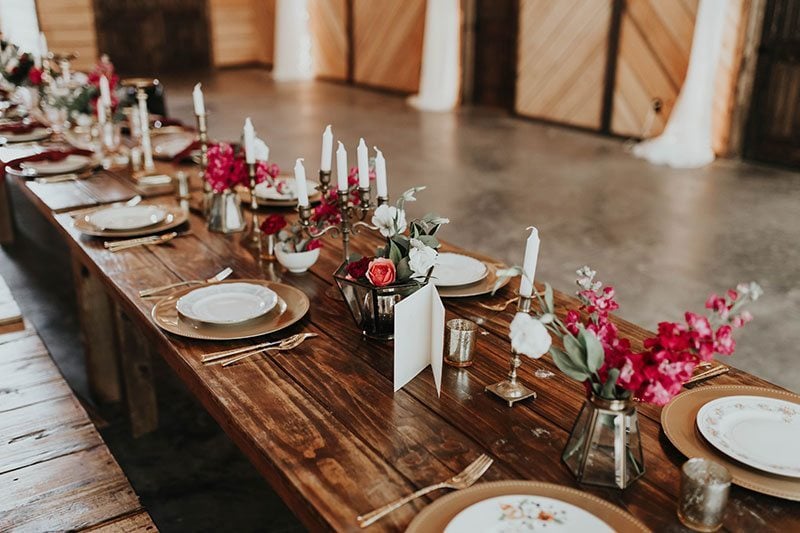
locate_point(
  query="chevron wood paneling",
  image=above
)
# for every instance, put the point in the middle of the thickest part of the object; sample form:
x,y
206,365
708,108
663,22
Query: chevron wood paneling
x,y
562,60
328,20
69,27
388,43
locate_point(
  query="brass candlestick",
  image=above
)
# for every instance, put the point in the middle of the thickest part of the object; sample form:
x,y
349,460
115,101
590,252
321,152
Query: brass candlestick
x,y
324,183
141,85
253,240
202,131
510,389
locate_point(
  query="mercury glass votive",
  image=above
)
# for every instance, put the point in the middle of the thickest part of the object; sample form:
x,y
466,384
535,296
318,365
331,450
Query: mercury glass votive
x,y
704,494
460,343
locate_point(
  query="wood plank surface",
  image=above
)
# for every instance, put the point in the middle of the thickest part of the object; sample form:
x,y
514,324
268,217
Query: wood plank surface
x,y
324,426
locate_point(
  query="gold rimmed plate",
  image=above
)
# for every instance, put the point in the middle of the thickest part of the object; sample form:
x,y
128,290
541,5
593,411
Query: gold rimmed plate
x,y
678,419
436,517
244,194
479,288
175,216
292,305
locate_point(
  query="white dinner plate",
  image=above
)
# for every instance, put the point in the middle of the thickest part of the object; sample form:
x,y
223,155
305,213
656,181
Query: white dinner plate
x,y
284,189
763,433
517,513
37,134
71,163
169,145
453,270
227,303
121,218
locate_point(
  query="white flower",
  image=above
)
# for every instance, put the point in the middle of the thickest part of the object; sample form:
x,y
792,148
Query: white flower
x,y
529,336
421,258
261,149
389,220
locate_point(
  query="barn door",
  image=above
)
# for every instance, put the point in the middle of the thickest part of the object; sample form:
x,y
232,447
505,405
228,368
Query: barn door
x,y
773,128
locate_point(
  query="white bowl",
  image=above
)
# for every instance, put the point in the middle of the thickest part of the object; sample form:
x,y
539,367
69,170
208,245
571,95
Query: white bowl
x,y
296,262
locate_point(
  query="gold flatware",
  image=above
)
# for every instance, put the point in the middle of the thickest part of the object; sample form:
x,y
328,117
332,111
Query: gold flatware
x,y
498,307
286,345
161,239
462,480
219,276
59,178
213,356
707,374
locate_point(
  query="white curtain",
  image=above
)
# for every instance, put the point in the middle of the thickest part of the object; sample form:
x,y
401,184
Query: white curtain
x,y
687,139
440,78
292,59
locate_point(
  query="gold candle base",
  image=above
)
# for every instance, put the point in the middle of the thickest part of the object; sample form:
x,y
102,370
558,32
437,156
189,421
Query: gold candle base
x,y
510,389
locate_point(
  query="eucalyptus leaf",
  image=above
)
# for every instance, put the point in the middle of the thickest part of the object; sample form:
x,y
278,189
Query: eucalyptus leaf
x,y
565,364
595,355
548,298
576,352
429,240
404,271
610,384
503,274
395,254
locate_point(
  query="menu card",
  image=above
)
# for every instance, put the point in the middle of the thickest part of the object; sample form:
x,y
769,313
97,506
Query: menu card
x,y
419,336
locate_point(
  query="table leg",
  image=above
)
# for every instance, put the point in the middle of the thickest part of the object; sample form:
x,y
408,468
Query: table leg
x,y
6,217
137,375
97,332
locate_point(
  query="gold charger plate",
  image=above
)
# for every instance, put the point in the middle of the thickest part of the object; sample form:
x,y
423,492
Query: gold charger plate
x,y
292,305
175,217
479,288
244,194
435,517
679,420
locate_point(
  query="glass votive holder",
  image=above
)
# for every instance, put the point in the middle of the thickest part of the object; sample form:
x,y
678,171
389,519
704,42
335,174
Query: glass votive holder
x,y
704,494
460,343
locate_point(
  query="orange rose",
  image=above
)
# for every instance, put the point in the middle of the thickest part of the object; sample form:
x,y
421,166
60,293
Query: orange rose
x,y
381,272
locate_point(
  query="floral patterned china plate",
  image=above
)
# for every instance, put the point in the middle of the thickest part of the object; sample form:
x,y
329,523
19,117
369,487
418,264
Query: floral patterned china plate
x,y
518,513
763,433
454,270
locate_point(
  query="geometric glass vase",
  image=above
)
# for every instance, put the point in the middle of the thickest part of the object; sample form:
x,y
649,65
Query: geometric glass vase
x,y
605,446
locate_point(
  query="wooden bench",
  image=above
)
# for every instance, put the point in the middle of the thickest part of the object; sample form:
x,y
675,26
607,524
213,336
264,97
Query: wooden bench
x,y
56,473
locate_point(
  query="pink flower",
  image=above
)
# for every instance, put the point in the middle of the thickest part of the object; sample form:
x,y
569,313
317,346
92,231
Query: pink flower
x,y
381,272
724,340
225,170
266,172
313,244
698,323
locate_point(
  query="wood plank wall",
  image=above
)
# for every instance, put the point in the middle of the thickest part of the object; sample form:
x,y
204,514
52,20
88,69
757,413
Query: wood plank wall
x,y
387,37
69,27
329,27
242,31
562,59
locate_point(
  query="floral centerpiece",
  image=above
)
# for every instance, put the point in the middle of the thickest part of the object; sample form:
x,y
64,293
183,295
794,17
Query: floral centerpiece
x,y
372,285
77,100
615,373
295,250
225,171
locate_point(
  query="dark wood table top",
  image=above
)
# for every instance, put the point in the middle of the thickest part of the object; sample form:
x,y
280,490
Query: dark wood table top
x,y
324,427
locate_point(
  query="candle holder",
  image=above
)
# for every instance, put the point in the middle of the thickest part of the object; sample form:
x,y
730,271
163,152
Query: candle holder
x,y
254,241
202,132
324,183
510,389
141,85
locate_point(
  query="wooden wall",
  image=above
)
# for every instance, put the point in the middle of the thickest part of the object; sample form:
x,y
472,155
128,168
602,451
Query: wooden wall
x,y
329,27
387,37
562,60
69,27
242,31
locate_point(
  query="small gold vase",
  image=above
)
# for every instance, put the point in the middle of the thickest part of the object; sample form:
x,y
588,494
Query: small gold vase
x,y
225,213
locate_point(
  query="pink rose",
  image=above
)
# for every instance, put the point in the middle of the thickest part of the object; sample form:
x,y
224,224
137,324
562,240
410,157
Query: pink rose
x,y
381,272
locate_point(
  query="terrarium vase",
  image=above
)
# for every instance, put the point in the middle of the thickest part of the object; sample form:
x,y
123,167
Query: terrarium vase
x,y
605,445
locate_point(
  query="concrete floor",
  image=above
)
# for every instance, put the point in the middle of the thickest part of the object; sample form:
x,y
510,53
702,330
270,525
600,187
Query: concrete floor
x,y
665,238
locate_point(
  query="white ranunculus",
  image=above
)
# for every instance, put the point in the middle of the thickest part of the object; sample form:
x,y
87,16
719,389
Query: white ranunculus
x,y
529,336
421,258
389,220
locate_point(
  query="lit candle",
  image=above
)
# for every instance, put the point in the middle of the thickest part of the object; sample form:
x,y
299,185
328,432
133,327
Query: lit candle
x,y
249,142
199,104
380,171
529,265
105,91
300,183
327,150
363,165
101,112
341,167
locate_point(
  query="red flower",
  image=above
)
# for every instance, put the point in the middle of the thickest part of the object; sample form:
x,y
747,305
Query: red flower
x,y
724,340
273,224
225,170
357,269
381,272
313,244
266,171
35,76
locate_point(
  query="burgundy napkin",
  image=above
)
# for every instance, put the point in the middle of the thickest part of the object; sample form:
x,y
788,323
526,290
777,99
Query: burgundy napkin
x,y
20,127
50,155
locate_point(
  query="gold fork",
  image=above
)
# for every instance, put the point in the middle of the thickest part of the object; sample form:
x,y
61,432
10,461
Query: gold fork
x,y
498,307
215,356
462,480
286,345
219,276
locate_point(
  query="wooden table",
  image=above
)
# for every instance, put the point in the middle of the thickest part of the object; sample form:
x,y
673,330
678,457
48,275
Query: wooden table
x,y
322,423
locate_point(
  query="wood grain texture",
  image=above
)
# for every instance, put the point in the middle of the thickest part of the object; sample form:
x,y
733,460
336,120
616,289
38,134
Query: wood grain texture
x,y
69,27
6,213
242,31
387,40
136,523
328,23
324,426
561,60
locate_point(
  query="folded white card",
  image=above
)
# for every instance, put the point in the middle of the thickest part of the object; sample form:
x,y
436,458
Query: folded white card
x,y
418,336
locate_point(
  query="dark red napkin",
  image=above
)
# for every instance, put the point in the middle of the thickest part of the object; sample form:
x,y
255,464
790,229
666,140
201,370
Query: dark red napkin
x,y
20,127
50,155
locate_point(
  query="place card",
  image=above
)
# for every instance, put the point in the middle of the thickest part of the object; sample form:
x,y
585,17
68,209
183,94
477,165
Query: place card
x,y
418,336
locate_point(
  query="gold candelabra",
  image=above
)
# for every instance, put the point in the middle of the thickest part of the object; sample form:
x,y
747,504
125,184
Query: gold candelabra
x,y
202,132
511,389
324,182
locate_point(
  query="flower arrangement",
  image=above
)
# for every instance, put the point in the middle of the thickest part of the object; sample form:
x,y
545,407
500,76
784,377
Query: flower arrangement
x,y
79,98
411,248
291,238
595,354
227,168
